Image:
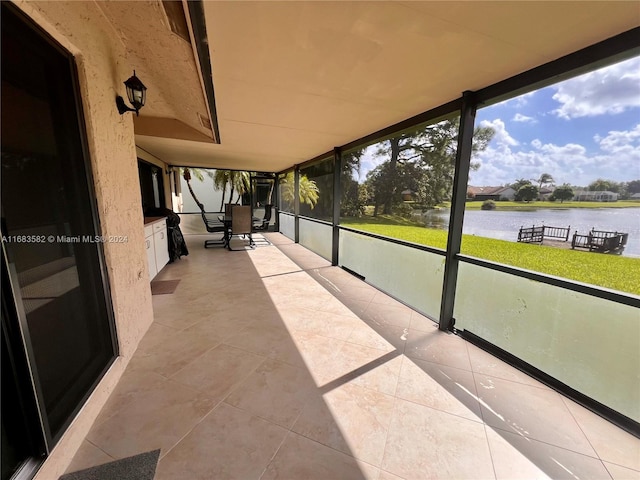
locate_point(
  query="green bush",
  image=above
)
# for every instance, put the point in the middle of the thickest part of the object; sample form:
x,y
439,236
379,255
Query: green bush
x,y
488,205
404,210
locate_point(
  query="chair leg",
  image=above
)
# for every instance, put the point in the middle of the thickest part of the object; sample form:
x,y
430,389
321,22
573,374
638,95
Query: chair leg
x,y
252,244
215,243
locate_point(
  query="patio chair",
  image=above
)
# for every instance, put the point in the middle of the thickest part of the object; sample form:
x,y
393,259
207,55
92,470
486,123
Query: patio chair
x,y
264,223
214,226
241,225
262,226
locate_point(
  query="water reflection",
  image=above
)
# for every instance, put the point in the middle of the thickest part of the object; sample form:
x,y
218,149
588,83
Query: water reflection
x,y
435,218
504,224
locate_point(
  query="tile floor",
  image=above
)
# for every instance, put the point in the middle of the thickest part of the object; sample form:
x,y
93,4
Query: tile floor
x,y
271,364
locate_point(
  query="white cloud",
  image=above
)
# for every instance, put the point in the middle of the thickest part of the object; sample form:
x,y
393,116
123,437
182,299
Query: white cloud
x,y
568,150
523,118
520,101
620,141
505,161
501,136
609,90
368,162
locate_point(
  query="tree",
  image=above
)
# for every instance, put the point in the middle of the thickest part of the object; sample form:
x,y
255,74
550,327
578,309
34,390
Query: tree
x,y
186,174
322,175
272,186
602,185
633,187
562,193
527,193
308,191
239,181
377,184
544,179
220,181
521,182
354,195
422,161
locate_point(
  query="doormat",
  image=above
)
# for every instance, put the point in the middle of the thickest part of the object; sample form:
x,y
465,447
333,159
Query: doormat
x,y
137,467
163,287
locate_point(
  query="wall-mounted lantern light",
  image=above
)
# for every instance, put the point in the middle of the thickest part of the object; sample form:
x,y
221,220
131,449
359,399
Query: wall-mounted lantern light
x,y
137,93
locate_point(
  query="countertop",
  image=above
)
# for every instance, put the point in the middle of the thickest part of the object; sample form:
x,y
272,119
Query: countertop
x,y
148,220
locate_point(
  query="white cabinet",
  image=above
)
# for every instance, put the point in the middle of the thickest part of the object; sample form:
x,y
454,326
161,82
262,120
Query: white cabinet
x,y
151,251
156,245
160,244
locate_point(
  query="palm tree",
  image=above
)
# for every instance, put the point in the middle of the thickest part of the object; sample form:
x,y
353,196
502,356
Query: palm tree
x,y
308,190
239,181
186,174
220,181
544,179
520,182
272,188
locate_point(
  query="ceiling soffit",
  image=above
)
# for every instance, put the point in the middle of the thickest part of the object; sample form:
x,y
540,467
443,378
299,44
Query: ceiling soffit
x,y
295,79
163,60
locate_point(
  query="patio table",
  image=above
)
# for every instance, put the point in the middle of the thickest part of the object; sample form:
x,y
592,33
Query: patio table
x,y
226,220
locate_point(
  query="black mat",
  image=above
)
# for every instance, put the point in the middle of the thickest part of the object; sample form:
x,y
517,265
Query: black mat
x,y
138,467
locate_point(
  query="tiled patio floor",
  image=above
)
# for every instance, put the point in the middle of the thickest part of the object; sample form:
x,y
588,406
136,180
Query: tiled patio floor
x,y
271,364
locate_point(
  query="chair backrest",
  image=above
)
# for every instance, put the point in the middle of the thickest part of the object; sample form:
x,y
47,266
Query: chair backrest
x,y
228,208
241,220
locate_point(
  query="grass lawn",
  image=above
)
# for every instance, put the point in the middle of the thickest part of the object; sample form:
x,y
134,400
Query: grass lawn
x,y
535,205
609,271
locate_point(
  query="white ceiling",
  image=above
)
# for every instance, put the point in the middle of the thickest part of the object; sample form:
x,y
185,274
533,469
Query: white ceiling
x,y
294,79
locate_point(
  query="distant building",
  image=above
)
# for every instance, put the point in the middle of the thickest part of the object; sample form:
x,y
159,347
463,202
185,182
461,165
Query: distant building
x,y
545,192
635,196
490,193
595,196
408,196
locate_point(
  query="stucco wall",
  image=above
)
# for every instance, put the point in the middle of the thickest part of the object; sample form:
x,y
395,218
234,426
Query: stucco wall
x,y
102,67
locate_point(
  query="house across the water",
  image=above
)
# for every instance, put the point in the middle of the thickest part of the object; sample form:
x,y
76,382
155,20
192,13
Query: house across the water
x,y
595,196
490,193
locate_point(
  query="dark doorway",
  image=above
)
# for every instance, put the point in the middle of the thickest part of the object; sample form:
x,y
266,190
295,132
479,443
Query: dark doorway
x,y
151,185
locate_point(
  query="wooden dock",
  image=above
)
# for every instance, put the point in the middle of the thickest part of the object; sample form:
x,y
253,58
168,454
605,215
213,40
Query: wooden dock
x,y
539,234
599,241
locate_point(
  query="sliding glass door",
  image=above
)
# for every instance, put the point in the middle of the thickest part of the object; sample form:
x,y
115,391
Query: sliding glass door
x,y
57,284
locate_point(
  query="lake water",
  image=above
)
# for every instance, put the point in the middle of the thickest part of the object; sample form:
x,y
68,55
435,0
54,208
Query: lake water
x,y
504,224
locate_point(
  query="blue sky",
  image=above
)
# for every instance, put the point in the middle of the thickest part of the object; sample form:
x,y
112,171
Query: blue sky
x,y
584,128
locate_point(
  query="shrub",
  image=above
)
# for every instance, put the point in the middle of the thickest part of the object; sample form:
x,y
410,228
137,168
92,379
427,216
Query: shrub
x,y
403,210
488,205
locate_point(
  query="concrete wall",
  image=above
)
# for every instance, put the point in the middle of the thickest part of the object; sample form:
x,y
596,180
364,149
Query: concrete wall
x,y
81,28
